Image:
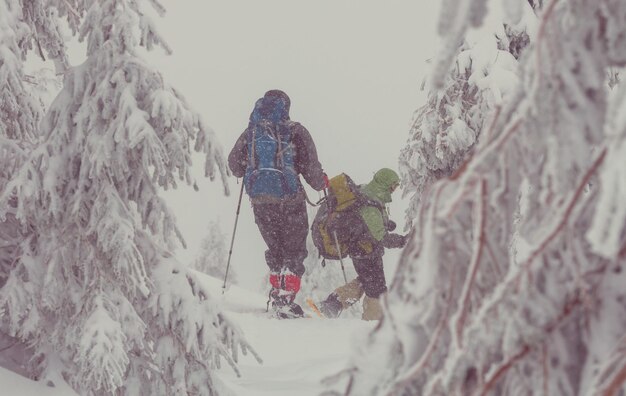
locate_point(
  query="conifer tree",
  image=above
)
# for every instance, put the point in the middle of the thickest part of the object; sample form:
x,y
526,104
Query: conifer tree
x,y
512,283
213,254
484,70
19,116
95,291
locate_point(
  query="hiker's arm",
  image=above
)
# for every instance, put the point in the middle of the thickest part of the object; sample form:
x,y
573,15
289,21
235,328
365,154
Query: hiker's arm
x,y
394,241
379,230
237,159
307,162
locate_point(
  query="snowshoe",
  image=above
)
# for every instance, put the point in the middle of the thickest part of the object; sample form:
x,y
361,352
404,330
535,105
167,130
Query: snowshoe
x,y
283,306
329,308
289,311
314,308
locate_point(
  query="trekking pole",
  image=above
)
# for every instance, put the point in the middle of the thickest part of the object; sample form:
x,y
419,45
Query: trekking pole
x,y
345,278
343,269
306,197
232,241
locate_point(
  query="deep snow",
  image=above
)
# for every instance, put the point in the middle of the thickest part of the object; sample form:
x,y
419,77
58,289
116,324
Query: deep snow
x,y
297,354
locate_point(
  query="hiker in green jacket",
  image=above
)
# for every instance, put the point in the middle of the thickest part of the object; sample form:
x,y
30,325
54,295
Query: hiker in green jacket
x,y
366,245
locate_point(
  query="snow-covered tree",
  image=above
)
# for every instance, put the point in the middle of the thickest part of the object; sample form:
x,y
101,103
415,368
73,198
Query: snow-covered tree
x,y
95,291
19,116
214,254
512,283
44,85
484,71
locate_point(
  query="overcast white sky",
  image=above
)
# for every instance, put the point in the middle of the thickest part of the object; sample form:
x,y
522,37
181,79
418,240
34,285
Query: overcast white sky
x,y
353,70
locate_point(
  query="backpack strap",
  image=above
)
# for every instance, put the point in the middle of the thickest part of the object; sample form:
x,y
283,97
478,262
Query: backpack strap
x,y
251,137
282,147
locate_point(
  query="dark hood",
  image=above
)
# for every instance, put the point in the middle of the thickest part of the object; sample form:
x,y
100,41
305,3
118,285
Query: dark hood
x,y
273,106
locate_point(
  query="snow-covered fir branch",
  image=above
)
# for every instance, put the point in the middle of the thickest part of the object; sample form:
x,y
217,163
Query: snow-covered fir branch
x,y
94,290
512,282
480,75
20,113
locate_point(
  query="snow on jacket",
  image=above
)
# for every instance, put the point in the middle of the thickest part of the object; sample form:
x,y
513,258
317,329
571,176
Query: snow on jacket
x,y
306,160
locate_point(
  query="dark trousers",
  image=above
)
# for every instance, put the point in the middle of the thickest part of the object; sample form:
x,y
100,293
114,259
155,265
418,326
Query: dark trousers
x,y
370,273
284,227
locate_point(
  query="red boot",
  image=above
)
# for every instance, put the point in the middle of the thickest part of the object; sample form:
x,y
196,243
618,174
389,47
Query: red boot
x,y
284,289
290,283
275,291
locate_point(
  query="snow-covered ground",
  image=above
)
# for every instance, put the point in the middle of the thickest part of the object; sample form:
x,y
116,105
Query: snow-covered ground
x,y
15,385
297,354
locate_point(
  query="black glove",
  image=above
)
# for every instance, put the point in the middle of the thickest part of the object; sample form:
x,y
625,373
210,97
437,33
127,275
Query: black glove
x,y
391,225
394,241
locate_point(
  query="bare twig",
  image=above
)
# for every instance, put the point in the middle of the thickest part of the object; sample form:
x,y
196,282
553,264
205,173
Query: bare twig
x,y
568,210
504,368
568,308
494,260
545,17
71,9
39,49
616,384
544,365
475,263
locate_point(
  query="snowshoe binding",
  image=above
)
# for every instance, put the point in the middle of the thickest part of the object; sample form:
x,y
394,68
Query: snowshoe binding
x,y
283,306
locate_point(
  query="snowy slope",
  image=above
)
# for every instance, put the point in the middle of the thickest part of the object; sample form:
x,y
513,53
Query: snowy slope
x,y
297,354
16,385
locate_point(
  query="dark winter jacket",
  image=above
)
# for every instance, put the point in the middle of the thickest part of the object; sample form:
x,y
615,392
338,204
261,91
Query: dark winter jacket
x,y
306,161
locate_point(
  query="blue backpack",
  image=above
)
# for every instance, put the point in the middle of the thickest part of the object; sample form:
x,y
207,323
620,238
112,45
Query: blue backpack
x,y
270,175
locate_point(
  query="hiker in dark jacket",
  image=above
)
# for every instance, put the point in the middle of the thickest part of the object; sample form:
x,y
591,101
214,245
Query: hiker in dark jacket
x,y
366,244
276,193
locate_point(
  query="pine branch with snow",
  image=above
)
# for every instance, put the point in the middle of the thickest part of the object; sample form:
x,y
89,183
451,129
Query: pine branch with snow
x,y
512,281
95,291
483,71
20,113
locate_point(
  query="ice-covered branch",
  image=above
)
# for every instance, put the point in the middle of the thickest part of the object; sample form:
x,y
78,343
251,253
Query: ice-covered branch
x,y
552,157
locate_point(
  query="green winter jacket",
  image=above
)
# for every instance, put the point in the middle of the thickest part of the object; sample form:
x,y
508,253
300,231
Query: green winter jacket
x,y
379,189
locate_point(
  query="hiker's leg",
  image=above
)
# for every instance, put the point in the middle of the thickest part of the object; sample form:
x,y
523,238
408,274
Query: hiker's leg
x,y
268,218
295,228
342,298
282,227
349,293
370,273
293,231
372,278
372,310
